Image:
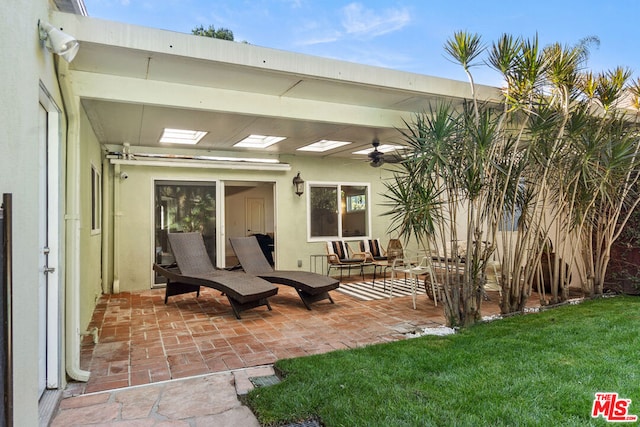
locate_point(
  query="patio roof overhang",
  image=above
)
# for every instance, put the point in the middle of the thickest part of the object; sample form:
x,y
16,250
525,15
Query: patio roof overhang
x,y
133,82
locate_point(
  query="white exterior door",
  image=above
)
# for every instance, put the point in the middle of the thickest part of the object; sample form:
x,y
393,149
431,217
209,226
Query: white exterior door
x,y
48,232
254,211
43,246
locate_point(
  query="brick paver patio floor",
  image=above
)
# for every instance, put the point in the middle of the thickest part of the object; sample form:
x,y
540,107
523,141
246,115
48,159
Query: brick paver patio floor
x,y
142,340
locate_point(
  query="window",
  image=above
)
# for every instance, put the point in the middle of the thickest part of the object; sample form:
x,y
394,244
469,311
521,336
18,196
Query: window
x,y
510,222
96,201
338,211
511,219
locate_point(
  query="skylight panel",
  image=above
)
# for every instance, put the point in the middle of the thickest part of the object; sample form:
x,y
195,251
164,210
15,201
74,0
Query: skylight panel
x,y
323,145
259,141
181,136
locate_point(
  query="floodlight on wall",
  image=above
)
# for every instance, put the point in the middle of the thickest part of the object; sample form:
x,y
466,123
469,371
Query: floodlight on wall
x,y
58,41
298,184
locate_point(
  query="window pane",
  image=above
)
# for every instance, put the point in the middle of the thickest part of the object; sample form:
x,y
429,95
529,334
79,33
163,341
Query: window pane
x,y
511,219
354,210
96,200
184,207
324,211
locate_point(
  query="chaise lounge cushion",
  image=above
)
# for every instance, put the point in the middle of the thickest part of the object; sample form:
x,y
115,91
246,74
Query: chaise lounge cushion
x,y
240,286
194,269
253,262
311,283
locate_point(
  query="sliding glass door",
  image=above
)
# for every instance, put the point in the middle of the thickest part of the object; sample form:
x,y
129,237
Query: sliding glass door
x,y
184,206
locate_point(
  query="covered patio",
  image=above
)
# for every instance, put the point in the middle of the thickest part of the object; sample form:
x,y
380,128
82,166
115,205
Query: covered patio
x,y
142,340
128,85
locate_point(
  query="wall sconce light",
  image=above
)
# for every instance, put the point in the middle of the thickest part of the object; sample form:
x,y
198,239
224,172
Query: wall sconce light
x,y
57,41
298,184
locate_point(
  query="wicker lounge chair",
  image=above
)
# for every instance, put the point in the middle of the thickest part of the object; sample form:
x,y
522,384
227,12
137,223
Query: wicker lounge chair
x,y
341,256
194,269
311,287
373,249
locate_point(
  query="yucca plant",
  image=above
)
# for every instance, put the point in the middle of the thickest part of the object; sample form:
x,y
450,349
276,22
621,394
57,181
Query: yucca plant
x,y
553,153
611,174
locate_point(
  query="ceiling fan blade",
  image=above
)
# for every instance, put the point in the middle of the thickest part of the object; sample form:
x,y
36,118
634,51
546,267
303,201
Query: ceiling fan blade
x,y
376,163
393,158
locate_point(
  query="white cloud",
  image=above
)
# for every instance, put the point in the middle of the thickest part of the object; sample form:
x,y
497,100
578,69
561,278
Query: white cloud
x,y
357,22
315,31
368,23
327,36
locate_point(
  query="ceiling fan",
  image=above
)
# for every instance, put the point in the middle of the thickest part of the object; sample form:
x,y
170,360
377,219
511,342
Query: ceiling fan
x,y
386,154
376,158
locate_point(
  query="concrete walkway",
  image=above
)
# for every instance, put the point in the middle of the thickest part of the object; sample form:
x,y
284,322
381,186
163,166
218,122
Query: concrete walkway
x,y
209,400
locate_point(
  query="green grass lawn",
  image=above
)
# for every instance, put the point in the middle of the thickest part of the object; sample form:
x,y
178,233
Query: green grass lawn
x,y
539,369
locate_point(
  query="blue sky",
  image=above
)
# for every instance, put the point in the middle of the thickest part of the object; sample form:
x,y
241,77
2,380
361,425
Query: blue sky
x,y
405,35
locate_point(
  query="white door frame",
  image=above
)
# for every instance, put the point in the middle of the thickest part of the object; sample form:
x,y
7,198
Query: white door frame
x,y
221,231
223,200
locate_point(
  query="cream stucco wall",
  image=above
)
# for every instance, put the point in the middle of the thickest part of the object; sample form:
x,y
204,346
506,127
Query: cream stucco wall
x,y
90,241
25,66
133,230
292,234
134,227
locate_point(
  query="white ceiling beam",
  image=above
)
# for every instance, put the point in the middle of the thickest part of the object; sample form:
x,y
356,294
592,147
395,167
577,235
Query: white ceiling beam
x,y
152,92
